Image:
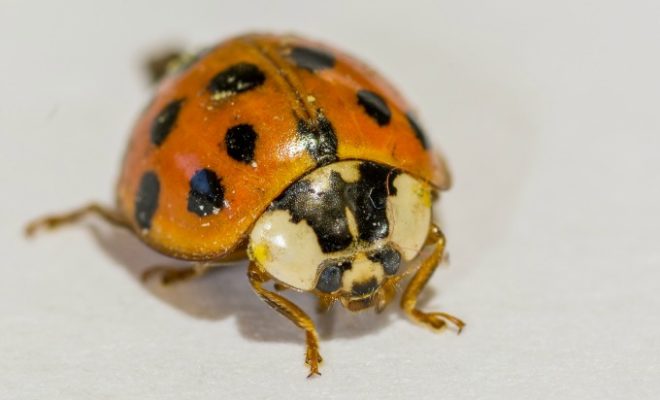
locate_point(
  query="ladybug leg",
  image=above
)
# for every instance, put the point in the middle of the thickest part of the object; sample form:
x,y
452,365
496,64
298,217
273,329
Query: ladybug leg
x,y
172,275
435,320
257,278
325,303
55,221
387,292
162,64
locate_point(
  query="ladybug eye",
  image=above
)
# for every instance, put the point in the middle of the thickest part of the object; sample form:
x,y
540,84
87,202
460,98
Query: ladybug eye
x,y
388,257
330,278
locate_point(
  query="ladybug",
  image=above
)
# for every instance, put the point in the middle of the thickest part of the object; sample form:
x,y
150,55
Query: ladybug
x,y
295,156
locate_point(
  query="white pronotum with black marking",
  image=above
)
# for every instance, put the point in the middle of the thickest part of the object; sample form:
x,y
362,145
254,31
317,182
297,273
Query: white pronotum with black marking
x,y
343,229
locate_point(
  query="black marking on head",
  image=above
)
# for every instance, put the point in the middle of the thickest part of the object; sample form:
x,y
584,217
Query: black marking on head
x,y
165,121
240,142
312,59
364,288
330,277
375,106
319,139
325,211
388,257
146,199
238,78
419,133
207,195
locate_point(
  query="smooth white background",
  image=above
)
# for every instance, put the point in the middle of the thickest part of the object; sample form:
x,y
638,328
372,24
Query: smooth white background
x,y
548,112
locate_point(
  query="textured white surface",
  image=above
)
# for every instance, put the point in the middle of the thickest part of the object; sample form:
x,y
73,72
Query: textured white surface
x,y
547,111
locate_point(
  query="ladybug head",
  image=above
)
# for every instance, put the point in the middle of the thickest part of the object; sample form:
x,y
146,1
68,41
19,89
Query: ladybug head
x,y
358,281
346,230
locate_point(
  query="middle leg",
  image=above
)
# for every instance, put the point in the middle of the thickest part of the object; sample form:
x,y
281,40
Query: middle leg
x,y
172,275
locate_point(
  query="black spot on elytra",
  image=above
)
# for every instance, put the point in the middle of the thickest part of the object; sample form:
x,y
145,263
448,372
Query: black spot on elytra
x,y
207,195
364,288
388,257
319,139
330,277
240,142
146,199
238,78
325,211
419,133
375,106
165,122
312,59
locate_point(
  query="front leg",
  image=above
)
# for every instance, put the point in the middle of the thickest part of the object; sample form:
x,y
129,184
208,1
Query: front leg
x,y
257,278
387,292
435,320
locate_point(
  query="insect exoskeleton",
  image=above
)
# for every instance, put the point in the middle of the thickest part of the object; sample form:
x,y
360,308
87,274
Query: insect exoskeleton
x,y
344,230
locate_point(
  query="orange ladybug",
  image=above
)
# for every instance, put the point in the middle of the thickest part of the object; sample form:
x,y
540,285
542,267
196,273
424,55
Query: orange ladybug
x,y
296,156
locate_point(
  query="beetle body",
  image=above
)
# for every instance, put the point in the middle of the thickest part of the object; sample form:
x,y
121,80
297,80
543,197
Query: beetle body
x,y
295,154
230,131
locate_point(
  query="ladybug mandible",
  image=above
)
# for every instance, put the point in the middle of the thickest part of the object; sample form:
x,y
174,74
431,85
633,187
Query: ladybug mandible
x,y
293,155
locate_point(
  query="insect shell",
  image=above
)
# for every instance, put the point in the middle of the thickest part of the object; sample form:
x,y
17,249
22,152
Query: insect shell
x,y
295,154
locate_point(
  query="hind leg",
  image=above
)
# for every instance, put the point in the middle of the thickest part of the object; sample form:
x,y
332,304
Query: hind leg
x,y
160,65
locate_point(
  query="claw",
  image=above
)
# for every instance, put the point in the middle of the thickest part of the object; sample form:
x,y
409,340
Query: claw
x,y
314,372
313,359
438,320
33,227
455,321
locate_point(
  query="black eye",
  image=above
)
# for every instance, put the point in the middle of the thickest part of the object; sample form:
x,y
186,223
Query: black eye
x,y
388,257
330,279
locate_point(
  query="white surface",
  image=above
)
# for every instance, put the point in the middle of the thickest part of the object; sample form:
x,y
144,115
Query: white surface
x,y
547,111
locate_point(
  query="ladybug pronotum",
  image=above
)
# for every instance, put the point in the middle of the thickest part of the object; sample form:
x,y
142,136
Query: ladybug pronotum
x,y
295,156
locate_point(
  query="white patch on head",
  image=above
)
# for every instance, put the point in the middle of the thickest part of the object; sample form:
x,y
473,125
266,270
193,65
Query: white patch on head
x,y
287,251
409,214
362,270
